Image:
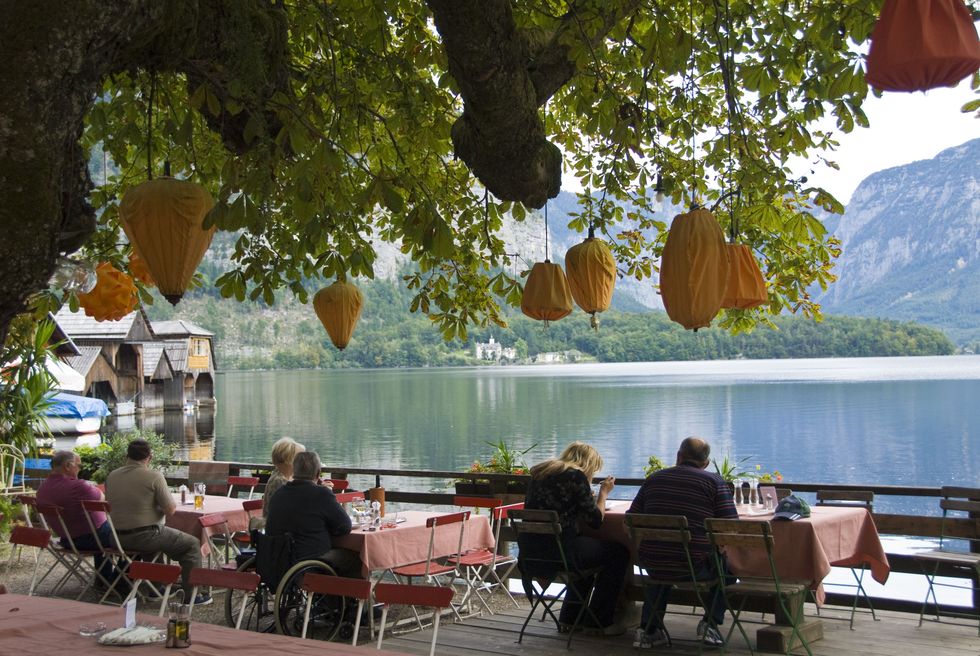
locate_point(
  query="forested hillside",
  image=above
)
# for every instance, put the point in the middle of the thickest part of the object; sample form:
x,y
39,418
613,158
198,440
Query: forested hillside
x,y
289,335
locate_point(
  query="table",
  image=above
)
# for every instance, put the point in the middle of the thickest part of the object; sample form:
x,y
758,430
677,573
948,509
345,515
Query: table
x,y
40,625
408,542
186,518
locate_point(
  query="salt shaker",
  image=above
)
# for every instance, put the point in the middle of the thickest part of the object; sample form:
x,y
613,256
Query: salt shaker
x,y
375,514
183,495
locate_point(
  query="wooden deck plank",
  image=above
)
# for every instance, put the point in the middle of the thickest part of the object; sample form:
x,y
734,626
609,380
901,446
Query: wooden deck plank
x,y
896,634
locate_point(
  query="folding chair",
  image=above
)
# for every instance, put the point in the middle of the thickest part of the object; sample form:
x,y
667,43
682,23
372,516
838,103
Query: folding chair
x,y
39,538
166,575
253,510
75,559
218,537
430,569
742,534
339,484
341,586
851,499
242,481
663,575
28,506
434,597
247,582
554,568
960,506
112,549
479,564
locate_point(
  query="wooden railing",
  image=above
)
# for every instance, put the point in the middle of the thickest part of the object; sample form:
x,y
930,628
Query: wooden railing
x,y
914,526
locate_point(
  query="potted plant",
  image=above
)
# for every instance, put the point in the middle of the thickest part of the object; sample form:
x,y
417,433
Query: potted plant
x,y
98,461
503,460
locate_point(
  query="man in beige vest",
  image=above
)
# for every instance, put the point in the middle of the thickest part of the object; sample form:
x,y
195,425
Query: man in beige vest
x,y
141,502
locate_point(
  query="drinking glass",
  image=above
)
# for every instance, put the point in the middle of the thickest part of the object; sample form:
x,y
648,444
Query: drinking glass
x,y
738,490
199,490
754,491
390,520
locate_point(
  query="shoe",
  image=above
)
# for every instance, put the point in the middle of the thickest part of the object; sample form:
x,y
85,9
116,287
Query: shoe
x,y
710,635
644,640
203,599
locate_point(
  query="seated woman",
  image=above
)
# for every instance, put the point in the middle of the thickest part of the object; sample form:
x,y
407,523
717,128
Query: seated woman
x,y
283,452
564,485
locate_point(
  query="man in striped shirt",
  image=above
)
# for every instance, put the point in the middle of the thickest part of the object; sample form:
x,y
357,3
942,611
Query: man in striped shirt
x,y
685,489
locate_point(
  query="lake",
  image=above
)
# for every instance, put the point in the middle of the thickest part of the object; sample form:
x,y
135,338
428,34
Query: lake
x,y
909,421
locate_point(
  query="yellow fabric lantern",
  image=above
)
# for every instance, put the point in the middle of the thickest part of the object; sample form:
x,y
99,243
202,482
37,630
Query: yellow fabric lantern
x,y
338,308
694,269
113,297
139,271
746,286
163,219
546,294
591,275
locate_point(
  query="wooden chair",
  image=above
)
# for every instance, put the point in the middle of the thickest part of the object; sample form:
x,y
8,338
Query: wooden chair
x,y
736,533
851,499
434,597
251,482
166,575
660,577
39,538
28,506
960,506
253,509
247,582
339,484
540,573
112,548
341,586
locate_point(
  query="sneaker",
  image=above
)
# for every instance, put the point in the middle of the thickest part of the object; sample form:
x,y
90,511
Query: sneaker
x,y
644,640
709,634
203,599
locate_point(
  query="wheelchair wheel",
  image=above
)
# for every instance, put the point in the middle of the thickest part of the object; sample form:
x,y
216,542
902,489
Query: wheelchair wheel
x,y
259,607
326,612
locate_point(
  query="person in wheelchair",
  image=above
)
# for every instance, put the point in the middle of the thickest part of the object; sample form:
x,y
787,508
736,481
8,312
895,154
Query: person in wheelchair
x,y
311,515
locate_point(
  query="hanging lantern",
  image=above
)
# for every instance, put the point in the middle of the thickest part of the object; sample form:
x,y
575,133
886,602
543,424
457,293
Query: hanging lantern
x,y
746,286
546,294
338,308
163,219
114,295
922,44
591,275
139,271
694,269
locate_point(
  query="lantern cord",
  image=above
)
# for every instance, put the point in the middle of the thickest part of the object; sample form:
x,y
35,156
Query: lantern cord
x,y
727,71
544,125
149,126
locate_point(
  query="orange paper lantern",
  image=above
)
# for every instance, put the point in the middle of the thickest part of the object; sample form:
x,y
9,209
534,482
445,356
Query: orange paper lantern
x,y
139,271
164,220
546,294
591,275
694,269
338,308
746,286
114,295
922,44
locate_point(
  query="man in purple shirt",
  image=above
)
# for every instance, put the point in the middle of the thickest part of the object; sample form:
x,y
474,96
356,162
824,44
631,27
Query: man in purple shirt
x,y
685,489
63,488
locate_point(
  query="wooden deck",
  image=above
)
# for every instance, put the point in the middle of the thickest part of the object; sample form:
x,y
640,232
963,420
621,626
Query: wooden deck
x,y
895,634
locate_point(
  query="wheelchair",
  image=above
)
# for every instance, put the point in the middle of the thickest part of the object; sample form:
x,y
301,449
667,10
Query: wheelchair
x,y
279,603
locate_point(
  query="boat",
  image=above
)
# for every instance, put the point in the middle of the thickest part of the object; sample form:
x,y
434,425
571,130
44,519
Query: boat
x,y
71,414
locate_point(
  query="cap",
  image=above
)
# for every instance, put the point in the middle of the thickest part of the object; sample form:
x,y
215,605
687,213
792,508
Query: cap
x,y
791,507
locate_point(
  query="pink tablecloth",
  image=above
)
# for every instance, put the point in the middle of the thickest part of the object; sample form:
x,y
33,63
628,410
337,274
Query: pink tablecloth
x,y
805,549
36,625
409,542
187,518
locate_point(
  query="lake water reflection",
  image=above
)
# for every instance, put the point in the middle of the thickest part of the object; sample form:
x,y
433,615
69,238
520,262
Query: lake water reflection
x,y
909,421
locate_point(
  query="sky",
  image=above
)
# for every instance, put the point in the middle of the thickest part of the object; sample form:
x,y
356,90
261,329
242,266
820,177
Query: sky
x,y
905,127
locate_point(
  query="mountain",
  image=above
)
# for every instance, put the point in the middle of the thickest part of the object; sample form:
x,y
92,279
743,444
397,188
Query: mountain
x,y
911,245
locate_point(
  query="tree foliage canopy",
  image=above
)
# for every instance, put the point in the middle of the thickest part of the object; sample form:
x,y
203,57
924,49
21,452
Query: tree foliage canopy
x,y
322,128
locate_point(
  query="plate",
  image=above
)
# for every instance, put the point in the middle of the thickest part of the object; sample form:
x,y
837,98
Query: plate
x,y
137,635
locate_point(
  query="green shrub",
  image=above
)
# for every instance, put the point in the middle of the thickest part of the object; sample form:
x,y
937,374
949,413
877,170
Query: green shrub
x,y
111,454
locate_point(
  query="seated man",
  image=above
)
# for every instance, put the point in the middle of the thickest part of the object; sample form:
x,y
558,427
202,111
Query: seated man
x,y
310,513
141,502
63,488
685,489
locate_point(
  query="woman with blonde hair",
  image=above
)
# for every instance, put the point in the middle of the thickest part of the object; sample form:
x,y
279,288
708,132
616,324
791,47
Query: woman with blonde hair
x,y
283,452
564,485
